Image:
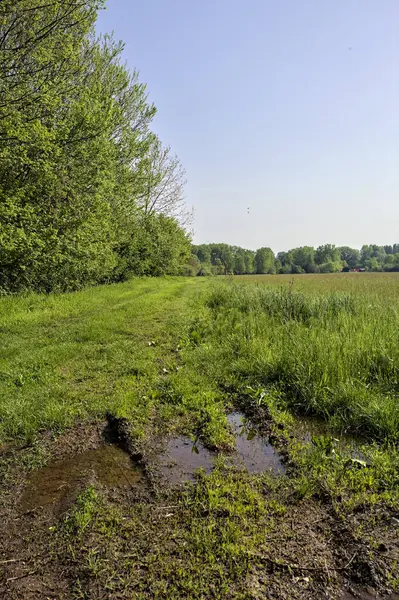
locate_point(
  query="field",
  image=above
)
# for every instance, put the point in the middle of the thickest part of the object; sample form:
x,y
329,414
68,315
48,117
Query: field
x,y
111,397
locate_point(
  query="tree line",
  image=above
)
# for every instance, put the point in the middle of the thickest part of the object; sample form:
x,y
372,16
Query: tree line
x,y
222,259
88,193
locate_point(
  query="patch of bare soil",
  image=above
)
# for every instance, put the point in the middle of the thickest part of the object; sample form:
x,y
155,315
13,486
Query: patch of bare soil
x,y
34,501
313,557
309,554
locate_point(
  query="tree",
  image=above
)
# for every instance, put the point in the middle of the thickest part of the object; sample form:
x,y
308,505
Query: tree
x,y
222,256
40,50
327,253
264,261
368,252
285,258
203,252
226,256
54,212
249,259
303,257
331,267
77,157
163,183
158,246
372,264
349,255
239,262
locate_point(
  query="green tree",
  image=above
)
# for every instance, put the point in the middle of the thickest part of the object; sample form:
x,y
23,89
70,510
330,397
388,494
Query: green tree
x,y
264,261
203,252
45,239
351,256
249,258
331,267
77,158
158,246
239,262
372,264
303,257
163,180
285,258
372,251
326,254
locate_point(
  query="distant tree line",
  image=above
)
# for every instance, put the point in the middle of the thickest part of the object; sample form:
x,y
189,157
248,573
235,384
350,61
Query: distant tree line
x,y
222,259
88,193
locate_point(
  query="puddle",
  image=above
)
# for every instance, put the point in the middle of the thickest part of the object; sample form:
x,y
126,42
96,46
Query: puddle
x,y
308,427
253,451
60,482
180,460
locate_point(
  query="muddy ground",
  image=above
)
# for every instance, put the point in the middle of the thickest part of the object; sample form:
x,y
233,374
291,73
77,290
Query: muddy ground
x,y
308,552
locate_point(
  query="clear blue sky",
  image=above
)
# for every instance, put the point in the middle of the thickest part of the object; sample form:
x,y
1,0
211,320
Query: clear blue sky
x,y
288,107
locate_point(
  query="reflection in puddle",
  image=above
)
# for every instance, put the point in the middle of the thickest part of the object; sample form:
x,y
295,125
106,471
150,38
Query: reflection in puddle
x,y
307,428
182,458
60,481
253,451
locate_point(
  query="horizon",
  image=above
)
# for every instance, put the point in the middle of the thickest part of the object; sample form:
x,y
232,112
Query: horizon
x,y
284,116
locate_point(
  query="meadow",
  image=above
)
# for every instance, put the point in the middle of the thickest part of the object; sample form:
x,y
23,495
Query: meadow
x,y
311,360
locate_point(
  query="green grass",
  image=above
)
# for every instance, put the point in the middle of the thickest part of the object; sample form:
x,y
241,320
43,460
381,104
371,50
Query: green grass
x,y
77,356
332,353
328,343
198,546
173,356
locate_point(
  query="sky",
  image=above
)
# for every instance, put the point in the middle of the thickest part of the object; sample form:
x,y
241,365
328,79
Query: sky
x,y
284,113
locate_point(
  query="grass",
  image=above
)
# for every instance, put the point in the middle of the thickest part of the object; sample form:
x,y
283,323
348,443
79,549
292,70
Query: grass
x,y
333,355
329,344
80,355
198,545
173,356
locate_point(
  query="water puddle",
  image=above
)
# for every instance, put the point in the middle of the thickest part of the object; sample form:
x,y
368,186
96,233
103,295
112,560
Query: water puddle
x,y
253,451
61,481
182,458
310,428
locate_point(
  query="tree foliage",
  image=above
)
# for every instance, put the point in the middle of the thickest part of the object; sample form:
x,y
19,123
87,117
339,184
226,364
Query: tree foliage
x,y
216,259
265,261
77,156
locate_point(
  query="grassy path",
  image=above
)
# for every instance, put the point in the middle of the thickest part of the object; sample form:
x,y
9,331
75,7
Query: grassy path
x,y
79,355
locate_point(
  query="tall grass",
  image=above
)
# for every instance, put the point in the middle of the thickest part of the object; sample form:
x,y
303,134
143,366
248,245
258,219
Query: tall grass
x,y
332,354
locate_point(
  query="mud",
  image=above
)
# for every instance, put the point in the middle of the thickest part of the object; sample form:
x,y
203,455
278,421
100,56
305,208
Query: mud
x,y
366,595
181,458
60,481
253,452
310,555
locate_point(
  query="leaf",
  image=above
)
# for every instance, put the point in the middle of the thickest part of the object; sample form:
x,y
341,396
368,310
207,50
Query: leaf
x,y
358,462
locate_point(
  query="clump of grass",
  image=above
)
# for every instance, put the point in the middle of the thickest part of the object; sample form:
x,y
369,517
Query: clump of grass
x,y
83,513
282,303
